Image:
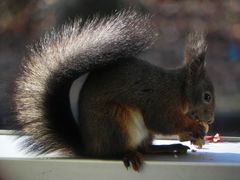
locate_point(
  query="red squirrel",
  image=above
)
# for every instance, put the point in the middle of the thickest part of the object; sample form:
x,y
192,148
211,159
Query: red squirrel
x,y
124,101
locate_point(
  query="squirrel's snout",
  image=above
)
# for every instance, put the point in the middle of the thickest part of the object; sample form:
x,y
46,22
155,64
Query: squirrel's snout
x,y
202,117
211,120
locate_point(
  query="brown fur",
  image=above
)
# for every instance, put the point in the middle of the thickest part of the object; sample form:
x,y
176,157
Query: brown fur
x,y
120,114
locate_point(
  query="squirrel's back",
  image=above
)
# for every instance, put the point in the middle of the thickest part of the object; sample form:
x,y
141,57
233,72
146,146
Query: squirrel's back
x,y
41,97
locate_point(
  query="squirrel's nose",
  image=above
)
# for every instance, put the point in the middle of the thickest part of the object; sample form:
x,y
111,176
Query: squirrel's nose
x,y
211,120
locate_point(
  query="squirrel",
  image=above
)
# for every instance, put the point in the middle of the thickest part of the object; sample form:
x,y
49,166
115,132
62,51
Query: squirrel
x,y
124,101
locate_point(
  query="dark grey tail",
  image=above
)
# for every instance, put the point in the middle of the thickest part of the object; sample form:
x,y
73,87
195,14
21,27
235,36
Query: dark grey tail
x,y
42,89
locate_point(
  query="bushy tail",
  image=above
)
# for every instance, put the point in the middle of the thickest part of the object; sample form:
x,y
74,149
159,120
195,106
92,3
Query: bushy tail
x,y
42,88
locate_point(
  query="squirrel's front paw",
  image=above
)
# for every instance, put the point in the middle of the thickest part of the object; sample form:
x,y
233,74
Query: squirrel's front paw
x,y
200,130
198,142
199,133
188,136
195,134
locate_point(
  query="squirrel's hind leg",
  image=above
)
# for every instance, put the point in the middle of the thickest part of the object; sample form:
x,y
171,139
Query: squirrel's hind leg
x,y
135,158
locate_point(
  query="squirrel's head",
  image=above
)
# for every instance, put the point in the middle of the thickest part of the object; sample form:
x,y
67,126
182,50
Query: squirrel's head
x,y
199,89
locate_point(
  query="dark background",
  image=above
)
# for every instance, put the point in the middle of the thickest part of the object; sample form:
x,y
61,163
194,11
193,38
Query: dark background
x,y
23,22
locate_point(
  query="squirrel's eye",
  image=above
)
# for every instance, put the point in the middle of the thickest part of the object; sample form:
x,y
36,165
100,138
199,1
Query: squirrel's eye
x,y
207,97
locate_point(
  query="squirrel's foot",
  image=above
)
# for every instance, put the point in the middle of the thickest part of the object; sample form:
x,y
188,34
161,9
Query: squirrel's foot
x,y
134,159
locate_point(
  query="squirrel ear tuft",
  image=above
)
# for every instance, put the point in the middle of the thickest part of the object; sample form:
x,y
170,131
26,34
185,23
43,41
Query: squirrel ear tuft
x,y
195,50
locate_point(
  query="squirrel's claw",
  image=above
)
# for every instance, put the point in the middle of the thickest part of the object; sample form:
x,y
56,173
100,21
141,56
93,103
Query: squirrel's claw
x,y
134,159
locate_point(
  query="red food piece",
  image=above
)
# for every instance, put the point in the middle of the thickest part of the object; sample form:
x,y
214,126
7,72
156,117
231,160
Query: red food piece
x,y
215,139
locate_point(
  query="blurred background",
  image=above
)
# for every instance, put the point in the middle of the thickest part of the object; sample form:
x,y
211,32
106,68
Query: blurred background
x,y
23,22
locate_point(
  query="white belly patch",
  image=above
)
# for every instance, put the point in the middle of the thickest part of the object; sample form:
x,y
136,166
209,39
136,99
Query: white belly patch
x,y
136,128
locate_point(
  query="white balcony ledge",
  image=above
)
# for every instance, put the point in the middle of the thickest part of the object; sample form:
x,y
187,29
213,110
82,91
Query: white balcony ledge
x,y
219,161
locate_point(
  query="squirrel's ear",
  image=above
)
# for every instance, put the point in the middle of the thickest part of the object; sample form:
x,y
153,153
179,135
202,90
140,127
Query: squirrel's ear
x,y
195,51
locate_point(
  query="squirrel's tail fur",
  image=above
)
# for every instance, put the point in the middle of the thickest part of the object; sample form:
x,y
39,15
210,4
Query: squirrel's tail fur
x,y
41,93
